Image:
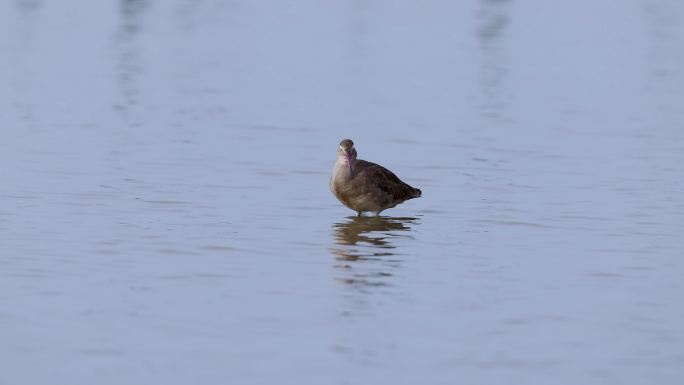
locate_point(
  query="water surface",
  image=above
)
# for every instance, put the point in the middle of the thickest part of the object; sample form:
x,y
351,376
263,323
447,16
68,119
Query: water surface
x,y
165,214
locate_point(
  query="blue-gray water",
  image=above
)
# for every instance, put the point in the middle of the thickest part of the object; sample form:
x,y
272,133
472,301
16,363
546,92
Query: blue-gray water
x,y
165,215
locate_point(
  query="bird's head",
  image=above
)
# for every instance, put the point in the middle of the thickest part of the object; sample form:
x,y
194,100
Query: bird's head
x,y
347,153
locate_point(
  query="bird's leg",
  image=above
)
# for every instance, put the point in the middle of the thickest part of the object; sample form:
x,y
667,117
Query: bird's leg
x,y
358,213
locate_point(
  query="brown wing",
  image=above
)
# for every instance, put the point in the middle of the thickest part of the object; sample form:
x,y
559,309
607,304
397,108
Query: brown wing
x,y
385,180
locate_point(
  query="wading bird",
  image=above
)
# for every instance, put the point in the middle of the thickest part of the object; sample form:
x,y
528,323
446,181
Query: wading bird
x,y
365,186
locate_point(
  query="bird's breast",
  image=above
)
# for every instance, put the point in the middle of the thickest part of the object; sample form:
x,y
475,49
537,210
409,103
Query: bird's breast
x,y
341,173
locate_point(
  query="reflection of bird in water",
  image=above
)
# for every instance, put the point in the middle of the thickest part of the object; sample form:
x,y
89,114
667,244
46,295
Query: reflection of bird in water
x,y
369,239
370,230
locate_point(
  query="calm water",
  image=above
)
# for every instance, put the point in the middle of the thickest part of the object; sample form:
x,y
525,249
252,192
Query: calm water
x,y
165,215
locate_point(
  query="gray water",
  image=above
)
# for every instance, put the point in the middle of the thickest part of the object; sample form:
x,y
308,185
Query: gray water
x,y
165,216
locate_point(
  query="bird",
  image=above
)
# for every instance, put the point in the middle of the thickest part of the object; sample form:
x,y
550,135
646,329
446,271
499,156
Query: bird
x,y
365,186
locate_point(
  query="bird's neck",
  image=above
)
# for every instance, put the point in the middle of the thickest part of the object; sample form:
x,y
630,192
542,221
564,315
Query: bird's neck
x,y
341,171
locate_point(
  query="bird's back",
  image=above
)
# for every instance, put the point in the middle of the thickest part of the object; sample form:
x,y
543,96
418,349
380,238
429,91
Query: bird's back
x,y
373,174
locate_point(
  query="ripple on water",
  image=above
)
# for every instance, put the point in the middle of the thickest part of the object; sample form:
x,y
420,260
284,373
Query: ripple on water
x,y
512,223
167,202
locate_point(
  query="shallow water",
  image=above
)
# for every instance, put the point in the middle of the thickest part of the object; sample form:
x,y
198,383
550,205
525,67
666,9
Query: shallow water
x,y
165,214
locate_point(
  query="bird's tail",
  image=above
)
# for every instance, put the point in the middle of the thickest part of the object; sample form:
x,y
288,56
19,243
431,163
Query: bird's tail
x,y
416,193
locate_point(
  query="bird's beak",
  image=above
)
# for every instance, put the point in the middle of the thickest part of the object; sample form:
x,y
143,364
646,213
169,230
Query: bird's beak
x,y
348,156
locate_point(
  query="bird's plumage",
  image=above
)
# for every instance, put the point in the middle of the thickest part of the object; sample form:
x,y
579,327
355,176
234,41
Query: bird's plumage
x,y
366,186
